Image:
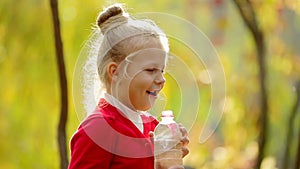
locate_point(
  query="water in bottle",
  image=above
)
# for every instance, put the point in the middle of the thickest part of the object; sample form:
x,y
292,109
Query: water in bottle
x,y
167,145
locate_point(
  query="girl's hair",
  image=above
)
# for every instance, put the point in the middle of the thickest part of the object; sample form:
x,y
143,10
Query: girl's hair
x,y
123,35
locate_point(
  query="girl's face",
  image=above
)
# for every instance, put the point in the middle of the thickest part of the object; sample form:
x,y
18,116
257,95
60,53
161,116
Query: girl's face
x,y
140,78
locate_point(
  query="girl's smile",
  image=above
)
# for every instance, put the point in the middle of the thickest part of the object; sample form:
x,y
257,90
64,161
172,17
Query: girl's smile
x,y
141,78
154,93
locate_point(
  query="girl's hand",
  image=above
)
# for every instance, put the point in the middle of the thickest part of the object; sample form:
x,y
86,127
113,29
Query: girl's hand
x,y
176,167
151,135
185,140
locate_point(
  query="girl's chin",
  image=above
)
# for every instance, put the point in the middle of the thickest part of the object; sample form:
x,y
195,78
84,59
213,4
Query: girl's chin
x,y
146,107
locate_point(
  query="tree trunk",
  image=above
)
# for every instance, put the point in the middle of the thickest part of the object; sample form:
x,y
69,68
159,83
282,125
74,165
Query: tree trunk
x,y
296,108
297,165
248,15
61,136
290,128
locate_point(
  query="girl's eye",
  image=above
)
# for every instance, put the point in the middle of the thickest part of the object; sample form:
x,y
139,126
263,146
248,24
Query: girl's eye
x,y
150,70
154,70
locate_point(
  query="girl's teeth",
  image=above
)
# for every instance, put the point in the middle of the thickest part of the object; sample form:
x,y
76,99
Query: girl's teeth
x,y
151,93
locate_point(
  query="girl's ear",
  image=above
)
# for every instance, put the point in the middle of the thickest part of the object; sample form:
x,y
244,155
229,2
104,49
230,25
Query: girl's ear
x,y
111,70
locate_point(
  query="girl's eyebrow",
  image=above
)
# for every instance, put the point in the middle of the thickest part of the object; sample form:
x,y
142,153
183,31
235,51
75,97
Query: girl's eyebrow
x,y
155,66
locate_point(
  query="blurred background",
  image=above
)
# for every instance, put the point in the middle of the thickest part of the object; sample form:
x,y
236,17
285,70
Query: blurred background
x,y
261,60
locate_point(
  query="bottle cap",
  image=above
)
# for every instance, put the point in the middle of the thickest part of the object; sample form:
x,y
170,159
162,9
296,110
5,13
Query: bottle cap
x,y
167,113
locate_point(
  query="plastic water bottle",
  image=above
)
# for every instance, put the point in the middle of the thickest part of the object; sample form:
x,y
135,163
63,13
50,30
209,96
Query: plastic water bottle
x,y
167,145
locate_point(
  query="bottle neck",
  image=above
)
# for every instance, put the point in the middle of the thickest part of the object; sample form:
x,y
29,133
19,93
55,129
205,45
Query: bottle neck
x,y
167,120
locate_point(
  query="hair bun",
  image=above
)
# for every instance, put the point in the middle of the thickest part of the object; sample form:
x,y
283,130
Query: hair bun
x,y
109,15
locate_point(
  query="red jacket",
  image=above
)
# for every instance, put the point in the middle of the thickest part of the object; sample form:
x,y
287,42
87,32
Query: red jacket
x,y
108,140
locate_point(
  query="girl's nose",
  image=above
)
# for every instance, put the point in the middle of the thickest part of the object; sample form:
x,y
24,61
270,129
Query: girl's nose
x,y
160,79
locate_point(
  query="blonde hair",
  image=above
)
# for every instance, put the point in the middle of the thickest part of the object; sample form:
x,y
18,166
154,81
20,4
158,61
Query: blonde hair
x,y
123,35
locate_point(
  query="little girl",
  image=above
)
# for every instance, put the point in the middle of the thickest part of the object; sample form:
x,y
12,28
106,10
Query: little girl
x,y
131,62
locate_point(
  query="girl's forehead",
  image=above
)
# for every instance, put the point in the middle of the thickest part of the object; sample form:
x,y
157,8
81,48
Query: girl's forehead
x,y
148,56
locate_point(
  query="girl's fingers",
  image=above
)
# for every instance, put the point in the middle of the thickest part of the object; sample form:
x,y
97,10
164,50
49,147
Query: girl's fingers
x,y
151,135
176,167
185,141
183,130
185,151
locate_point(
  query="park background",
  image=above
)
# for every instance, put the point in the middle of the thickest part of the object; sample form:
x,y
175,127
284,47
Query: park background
x,y
30,90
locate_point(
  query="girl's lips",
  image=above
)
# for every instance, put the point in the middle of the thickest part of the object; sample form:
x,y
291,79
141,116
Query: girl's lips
x,y
151,93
